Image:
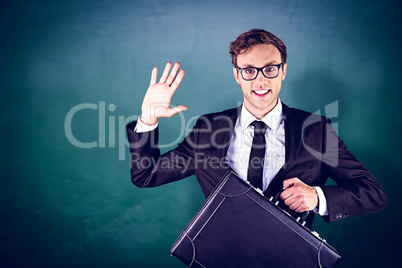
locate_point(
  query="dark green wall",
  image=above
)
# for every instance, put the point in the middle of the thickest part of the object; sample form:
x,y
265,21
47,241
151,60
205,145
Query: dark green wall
x,y
62,205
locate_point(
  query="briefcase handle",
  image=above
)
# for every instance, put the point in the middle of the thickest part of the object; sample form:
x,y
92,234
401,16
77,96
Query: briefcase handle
x,y
302,219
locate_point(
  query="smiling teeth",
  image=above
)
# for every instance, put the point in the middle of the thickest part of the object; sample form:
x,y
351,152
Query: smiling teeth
x,y
261,92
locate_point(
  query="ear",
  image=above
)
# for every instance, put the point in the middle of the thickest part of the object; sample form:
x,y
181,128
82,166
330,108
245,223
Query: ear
x,y
236,75
284,70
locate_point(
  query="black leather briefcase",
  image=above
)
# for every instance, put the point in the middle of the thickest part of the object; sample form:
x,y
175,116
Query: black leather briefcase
x,y
239,227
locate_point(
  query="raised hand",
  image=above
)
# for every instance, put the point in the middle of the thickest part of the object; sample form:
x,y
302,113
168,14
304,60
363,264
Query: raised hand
x,y
156,102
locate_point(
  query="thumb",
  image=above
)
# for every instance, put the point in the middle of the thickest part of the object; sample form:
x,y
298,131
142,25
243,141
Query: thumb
x,y
176,110
289,182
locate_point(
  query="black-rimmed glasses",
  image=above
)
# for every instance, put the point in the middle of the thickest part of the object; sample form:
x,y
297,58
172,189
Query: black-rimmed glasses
x,y
251,73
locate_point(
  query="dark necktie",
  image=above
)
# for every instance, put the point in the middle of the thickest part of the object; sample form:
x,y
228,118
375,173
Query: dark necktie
x,y
256,162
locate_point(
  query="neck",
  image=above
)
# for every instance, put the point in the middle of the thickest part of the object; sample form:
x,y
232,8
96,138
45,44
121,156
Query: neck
x,y
260,113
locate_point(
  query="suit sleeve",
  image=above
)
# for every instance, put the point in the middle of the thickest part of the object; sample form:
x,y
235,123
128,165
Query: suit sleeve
x,y
357,191
149,168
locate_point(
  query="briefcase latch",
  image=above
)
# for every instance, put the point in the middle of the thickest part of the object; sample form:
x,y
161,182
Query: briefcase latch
x,y
315,233
302,223
259,191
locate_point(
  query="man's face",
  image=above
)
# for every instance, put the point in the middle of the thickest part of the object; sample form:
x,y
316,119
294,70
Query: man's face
x,y
260,94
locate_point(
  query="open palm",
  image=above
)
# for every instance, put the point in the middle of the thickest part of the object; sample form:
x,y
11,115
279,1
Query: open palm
x,y
156,102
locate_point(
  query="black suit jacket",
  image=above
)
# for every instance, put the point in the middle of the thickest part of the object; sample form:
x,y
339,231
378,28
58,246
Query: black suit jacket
x,y
313,152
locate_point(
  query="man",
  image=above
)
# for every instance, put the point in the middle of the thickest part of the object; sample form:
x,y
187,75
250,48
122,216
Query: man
x,y
299,150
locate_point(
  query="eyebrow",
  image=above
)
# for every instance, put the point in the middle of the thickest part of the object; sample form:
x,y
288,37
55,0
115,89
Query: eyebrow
x,y
268,64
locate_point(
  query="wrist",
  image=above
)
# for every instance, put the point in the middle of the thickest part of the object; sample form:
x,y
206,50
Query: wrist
x,y
148,121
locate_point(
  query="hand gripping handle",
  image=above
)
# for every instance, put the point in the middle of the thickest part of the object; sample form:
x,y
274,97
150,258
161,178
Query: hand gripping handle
x,y
302,219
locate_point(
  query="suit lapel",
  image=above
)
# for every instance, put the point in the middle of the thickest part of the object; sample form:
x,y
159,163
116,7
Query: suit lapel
x,y
224,128
213,166
293,135
292,146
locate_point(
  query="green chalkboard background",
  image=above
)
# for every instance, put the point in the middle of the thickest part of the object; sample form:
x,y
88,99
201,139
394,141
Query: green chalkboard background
x,y
73,73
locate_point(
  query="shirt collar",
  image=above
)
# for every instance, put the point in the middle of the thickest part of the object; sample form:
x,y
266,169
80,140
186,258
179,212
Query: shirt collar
x,y
273,119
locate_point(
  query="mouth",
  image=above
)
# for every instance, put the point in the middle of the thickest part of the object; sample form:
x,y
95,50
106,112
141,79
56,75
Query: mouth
x,y
261,92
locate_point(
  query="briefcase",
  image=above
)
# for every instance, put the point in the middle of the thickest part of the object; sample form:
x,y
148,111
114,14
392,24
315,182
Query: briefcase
x,y
238,226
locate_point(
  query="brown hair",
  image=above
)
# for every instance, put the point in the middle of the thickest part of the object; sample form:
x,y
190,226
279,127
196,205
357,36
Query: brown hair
x,y
255,37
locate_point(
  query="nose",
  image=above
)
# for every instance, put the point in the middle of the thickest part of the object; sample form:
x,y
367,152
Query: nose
x,y
260,77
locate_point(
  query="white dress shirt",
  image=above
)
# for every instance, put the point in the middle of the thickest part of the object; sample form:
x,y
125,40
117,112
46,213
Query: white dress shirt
x,y
240,147
242,139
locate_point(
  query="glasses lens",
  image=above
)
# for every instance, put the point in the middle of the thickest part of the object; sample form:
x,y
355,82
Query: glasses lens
x,y
271,71
249,73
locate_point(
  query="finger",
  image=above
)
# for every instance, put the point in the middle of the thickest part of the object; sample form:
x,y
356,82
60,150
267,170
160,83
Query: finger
x,y
300,209
293,189
178,80
290,182
294,206
165,72
287,196
154,76
173,73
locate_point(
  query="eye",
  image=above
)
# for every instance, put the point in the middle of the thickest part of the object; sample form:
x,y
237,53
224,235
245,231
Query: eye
x,y
269,69
249,71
